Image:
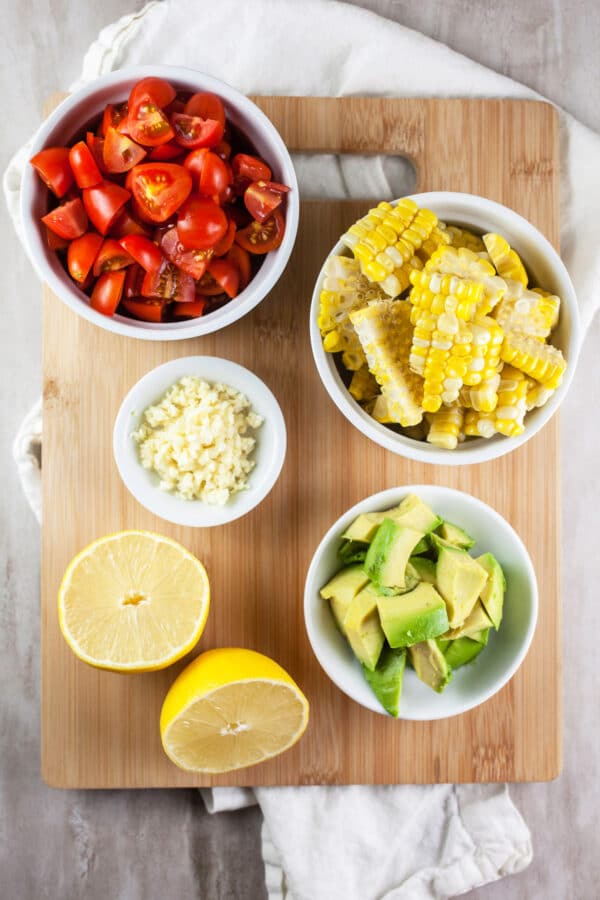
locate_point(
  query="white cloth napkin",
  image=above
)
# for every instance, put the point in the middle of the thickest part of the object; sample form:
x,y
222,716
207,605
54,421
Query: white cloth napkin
x,y
355,843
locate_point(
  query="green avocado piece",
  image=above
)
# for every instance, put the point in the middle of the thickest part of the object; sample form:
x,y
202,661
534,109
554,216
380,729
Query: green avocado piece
x,y
363,628
364,527
386,679
422,547
411,580
455,535
437,543
462,651
460,580
424,568
476,622
413,513
352,551
413,617
492,595
341,591
388,555
430,665
481,636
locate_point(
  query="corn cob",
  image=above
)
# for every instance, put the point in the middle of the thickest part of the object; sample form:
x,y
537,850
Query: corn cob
x,y
510,411
384,330
385,242
483,397
363,386
534,313
542,362
439,293
462,237
469,265
378,409
537,394
445,426
485,350
439,237
446,363
506,260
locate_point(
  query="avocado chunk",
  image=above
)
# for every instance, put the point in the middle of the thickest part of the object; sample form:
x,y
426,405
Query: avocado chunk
x,y
455,535
481,636
413,617
411,580
492,595
413,513
430,665
460,580
341,591
437,543
386,679
352,552
462,651
363,628
364,527
476,622
422,547
424,568
388,555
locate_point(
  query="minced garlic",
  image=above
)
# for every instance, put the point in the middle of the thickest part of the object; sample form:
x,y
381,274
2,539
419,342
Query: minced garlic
x,y
196,440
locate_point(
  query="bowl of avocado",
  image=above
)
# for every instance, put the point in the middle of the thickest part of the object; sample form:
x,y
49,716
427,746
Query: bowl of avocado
x,y
421,602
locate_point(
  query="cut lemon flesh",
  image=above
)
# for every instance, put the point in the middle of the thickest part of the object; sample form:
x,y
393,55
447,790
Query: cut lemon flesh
x,y
133,602
231,708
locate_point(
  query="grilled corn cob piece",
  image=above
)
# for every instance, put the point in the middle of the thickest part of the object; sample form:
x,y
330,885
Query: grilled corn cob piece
x,y
542,362
385,242
483,397
506,260
445,426
510,411
534,313
363,386
462,237
385,332
485,350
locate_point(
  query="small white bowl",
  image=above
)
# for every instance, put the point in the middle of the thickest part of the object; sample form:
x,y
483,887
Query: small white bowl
x,y
471,685
269,453
84,106
546,268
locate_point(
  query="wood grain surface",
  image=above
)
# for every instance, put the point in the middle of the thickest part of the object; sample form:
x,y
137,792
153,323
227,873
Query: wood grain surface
x,y
100,729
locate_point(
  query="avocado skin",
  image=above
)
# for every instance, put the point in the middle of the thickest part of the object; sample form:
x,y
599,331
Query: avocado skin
x,y
386,679
462,651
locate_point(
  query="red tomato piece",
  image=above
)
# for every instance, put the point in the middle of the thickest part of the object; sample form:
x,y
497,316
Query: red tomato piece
x,y
164,152
120,153
226,274
146,310
194,163
226,242
143,251
82,254
112,256
201,223
215,176
159,91
192,131
207,106
170,283
107,292
103,204
114,115
55,242
52,165
194,262
159,189
262,198
241,258
250,168
133,281
261,237
192,310
125,224
68,221
146,123
84,166
96,146
208,287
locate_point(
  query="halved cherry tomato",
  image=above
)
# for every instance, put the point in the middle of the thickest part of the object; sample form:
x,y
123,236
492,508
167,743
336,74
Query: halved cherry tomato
x,y
114,114
262,198
85,168
103,203
159,188
215,176
192,310
192,131
226,242
107,292
146,123
164,152
170,283
194,163
201,223
133,281
159,91
241,258
194,262
260,237
143,251
55,242
120,153
82,254
207,106
226,274
96,146
147,310
223,149
112,256
208,287
68,221
125,224
52,165
250,168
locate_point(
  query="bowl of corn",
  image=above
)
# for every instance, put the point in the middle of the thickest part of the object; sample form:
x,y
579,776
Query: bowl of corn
x,y
445,327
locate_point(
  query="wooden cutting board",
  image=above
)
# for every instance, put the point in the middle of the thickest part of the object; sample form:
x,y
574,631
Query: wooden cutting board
x,y
100,730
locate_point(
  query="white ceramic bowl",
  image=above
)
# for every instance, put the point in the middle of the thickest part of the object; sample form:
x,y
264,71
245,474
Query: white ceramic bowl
x,y
268,455
506,649
87,104
546,269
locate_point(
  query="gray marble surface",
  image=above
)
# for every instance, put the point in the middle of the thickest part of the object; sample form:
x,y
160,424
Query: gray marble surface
x,y
151,845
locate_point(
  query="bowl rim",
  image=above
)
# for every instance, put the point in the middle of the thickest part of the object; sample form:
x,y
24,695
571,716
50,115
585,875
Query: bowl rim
x,y
137,399
384,500
69,293
479,450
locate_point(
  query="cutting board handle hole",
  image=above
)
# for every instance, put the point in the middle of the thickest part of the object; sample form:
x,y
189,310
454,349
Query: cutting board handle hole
x,y
339,176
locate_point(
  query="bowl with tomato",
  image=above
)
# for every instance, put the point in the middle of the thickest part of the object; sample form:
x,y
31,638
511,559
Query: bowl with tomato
x,y
159,203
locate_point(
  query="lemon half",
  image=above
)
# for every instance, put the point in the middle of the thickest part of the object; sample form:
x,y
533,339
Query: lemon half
x,y
231,708
133,602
